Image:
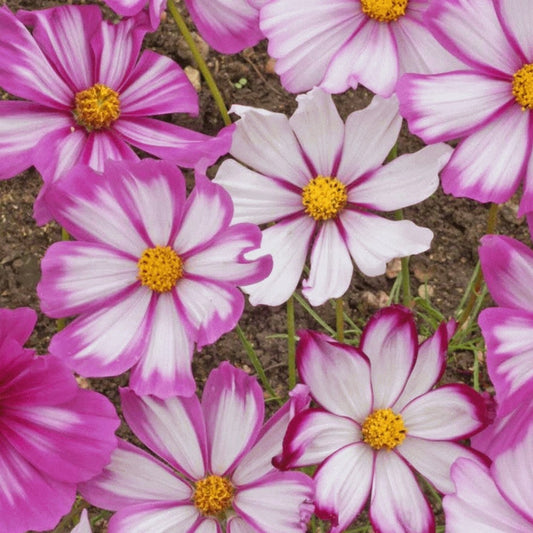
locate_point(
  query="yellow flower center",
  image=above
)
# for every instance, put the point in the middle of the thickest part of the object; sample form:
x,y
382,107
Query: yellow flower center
x,y
523,86
384,10
383,429
160,268
97,107
323,197
213,495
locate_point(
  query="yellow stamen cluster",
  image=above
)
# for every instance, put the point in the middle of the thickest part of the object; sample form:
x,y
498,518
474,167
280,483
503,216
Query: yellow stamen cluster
x,y
383,429
324,197
160,268
384,10
213,495
523,86
97,107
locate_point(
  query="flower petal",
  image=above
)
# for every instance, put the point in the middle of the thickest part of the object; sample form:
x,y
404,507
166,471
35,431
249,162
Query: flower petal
x,y
236,524
338,375
517,20
233,408
17,323
390,341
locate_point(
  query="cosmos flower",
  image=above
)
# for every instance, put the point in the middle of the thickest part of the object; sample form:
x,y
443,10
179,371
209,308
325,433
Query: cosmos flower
x,y
488,106
216,464
52,433
87,94
130,8
321,180
495,499
338,44
151,273
84,525
379,418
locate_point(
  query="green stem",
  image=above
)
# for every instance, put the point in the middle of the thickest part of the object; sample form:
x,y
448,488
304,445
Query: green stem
x,y
206,73
291,343
406,281
313,313
339,315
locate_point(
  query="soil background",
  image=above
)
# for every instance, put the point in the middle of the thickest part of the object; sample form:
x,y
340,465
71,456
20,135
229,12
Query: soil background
x,y
248,79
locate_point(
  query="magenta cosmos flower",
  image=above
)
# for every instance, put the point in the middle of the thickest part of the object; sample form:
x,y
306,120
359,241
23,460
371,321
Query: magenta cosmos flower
x,y
508,271
52,433
496,499
320,180
130,8
379,419
217,468
336,45
488,106
151,274
88,95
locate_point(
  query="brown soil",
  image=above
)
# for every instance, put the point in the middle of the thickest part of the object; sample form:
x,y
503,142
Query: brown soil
x,y
446,268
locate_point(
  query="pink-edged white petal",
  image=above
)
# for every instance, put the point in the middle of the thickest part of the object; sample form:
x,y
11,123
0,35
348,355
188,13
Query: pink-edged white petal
x,y
390,341
134,476
507,266
228,27
24,69
207,525
126,8
157,85
83,526
233,408
164,364
64,35
80,276
90,347
304,37
477,504
446,106
509,355
434,459
314,435
482,45
236,524
429,367
287,242
331,266
369,135
264,141
397,503
155,421
319,129
450,412
472,174
279,501
257,198
407,180
338,375
516,18
373,240
343,484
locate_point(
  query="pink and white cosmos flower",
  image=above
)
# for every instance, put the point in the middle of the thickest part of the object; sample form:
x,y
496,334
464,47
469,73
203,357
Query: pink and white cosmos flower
x,y
489,106
508,271
151,273
216,471
52,433
496,499
130,8
321,180
338,44
379,418
87,94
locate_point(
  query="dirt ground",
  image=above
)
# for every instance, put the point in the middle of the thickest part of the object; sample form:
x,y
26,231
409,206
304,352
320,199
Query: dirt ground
x,y
446,267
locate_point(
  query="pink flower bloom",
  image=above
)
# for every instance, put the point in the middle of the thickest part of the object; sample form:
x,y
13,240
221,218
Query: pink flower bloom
x,y
488,106
217,464
496,499
52,433
321,180
130,8
508,271
336,45
379,419
151,274
88,96
228,26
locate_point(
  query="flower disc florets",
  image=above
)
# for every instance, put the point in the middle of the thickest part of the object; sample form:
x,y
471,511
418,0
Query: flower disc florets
x,y
324,197
213,495
160,268
523,86
384,10
97,107
383,429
